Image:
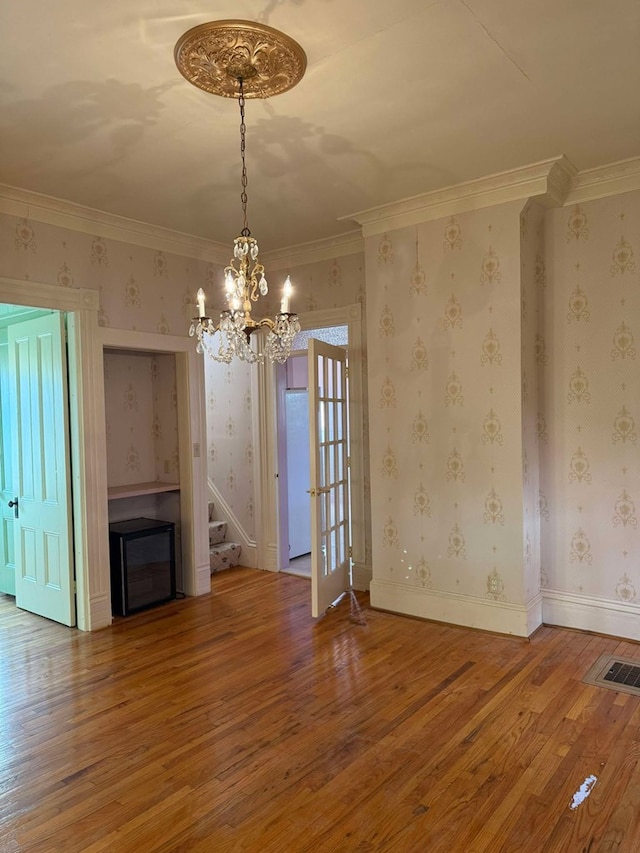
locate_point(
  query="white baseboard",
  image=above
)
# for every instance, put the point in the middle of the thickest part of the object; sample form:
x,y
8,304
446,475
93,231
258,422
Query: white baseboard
x,y
100,612
203,579
499,616
361,577
270,558
569,610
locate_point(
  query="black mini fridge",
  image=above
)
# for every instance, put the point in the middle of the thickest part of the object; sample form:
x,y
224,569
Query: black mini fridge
x,y
143,564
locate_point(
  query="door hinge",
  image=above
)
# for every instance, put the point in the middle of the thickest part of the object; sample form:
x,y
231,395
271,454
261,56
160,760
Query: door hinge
x,y
348,462
346,372
350,552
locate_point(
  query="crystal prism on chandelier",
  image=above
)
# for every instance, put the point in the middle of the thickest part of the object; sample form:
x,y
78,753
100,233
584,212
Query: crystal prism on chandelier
x,y
208,56
245,282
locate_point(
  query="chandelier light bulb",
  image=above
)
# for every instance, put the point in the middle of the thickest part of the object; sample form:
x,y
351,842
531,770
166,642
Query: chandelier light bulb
x,y
201,300
287,290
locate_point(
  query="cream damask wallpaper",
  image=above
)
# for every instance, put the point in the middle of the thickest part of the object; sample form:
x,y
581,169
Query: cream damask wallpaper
x,y
140,289
532,357
142,419
444,311
321,285
590,400
504,394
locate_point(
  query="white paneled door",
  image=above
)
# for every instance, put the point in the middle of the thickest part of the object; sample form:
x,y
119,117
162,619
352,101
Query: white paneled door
x,y
40,451
7,556
329,489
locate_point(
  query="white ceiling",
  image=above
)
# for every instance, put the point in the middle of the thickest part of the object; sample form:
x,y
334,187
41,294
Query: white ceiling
x,y
400,97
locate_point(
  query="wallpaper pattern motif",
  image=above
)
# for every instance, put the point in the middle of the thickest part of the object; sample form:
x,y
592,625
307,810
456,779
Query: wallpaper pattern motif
x,y
590,482
140,289
533,357
445,399
505,402
141,416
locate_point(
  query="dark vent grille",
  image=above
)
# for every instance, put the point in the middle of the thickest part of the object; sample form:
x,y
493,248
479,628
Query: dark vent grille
x,y
621,674
624,673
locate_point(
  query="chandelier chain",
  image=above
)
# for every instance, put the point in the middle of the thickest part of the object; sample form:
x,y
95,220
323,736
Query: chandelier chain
x,y
243,132
244,283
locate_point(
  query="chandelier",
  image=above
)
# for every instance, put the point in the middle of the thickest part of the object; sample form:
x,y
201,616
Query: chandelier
x,y
241,59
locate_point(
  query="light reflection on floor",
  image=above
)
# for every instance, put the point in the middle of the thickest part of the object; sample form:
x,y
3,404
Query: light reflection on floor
x,y
300,566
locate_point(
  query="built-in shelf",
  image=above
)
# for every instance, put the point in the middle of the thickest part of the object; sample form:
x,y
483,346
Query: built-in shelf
x,y
137,489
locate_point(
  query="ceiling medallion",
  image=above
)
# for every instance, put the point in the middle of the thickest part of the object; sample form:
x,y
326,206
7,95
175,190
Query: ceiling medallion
x,y
216,55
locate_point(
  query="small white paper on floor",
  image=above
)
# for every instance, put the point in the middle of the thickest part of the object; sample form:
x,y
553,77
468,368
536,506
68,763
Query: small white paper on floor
x,y
583,791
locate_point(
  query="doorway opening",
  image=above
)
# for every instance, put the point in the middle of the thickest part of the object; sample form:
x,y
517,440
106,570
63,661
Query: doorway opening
x,y
294,450
36,534
153,427
143,447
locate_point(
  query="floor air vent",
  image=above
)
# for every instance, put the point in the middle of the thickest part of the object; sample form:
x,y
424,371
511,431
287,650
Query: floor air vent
x,y
616,673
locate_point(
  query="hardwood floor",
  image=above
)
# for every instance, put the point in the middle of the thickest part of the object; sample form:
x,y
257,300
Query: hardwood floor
x,y
232,722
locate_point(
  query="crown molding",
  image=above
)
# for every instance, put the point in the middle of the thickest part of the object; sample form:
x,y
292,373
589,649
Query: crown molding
x,y
327,249
547,182
88,220
553,183
613,179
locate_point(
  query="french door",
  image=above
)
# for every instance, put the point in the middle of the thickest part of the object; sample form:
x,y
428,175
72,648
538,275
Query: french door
x,y
329,489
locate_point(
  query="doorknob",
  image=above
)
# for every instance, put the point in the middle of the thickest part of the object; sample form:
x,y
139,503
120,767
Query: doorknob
x,y
14,504
319,491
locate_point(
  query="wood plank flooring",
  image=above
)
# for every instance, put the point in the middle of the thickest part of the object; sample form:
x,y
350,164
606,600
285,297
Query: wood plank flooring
x,y
233,722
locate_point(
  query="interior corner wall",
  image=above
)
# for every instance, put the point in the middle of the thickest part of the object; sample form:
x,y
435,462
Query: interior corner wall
x,y
533,357
445,408
590,416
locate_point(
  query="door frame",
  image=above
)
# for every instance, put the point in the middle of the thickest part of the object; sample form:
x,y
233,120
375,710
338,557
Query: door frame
x,y
196,571
88,440
81,307
265,429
